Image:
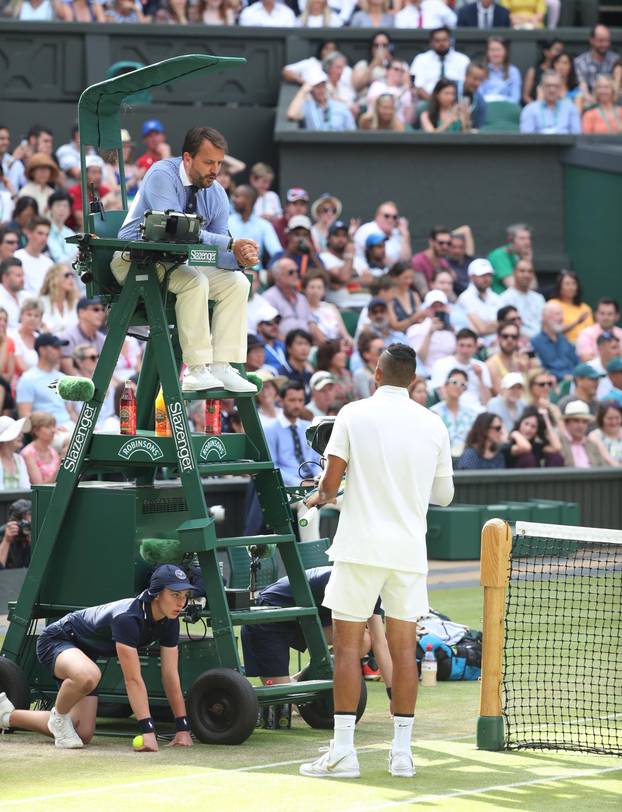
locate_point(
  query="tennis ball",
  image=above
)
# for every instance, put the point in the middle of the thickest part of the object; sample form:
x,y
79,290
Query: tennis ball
x,y
137,742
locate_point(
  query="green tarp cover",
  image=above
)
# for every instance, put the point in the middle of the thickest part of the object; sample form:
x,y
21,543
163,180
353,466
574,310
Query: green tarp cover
x,y
100,104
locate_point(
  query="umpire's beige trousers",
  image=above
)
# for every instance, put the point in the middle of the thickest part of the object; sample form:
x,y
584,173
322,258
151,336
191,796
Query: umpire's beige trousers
x,y
193,288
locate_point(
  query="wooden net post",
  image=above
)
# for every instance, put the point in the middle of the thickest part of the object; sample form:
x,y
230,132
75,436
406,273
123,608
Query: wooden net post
x,y
495,558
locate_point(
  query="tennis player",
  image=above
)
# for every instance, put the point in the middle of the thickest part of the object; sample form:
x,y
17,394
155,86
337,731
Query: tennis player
x,y
70,646
398,461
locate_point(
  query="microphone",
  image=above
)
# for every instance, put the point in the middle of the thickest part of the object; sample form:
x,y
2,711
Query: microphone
x,y
161,551
73,388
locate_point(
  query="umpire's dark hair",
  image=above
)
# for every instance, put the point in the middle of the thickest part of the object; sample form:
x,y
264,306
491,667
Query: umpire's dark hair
x,y
197,135
298,386
294,334
399,364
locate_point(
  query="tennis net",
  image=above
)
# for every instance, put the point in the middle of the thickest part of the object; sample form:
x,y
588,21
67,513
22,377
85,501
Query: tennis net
x,y
562,659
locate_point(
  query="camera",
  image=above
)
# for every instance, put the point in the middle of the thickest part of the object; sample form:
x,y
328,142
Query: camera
x,y
318,433
303,246
24,526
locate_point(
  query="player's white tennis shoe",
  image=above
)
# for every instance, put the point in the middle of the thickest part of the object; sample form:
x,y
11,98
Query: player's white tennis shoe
x,y
401,764
6,709
329,765
61,727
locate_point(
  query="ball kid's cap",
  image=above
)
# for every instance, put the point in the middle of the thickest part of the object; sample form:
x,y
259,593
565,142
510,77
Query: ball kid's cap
x,y
169,576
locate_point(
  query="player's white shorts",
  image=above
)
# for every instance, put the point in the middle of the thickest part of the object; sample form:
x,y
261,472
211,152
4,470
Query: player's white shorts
x,y
353,590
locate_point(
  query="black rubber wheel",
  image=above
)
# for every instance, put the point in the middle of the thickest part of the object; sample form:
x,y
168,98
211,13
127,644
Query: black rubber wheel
x,y
319,714
222,707
14,684
114,710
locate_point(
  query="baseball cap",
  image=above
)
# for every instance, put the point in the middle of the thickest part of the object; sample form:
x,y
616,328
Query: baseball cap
x,y
375,239
338,225
480,267
316,76
586,371
321,379
512,379
297,193
299,221
153,125
94,160
434,296
169,576
49,340
85,302
615,365
377,301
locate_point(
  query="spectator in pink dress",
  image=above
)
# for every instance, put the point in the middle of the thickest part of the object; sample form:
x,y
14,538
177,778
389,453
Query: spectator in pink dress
x,y
42,460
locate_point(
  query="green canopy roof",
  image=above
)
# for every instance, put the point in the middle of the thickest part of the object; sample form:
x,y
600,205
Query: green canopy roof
x,y
99,106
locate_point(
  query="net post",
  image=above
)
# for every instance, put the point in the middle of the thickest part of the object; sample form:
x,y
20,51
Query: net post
x,y
496,548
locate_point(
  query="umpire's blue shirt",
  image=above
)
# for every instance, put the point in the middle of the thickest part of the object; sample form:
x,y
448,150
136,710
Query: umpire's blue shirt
x,y
166,187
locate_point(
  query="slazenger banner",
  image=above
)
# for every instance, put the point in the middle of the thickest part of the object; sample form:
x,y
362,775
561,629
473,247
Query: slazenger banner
x,y
76,449
206,255
179,427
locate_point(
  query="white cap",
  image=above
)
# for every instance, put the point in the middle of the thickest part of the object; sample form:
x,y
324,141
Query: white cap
x,y
94,160
433,296
315,76
512,379
261,311
321,379
480,267
299,221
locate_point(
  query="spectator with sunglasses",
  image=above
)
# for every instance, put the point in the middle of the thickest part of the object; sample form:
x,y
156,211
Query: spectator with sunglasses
x,y
59,297
509,357
540,384
458,417
284,296
387,222
484,444
91,314
434,258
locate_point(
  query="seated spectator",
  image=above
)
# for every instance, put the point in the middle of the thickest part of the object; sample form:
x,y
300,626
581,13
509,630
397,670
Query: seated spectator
x,y
318,14
296,203
112,176
370,348
297,367
444,114
550,49
335,65
244,223
255,354
606,117
607,314
60,210
483,14
612,384
95,186
299,246
479,302
552,115
214,12
267,14
125,11
267,203
332,357
387,222
322,386
344,268
84,11
527,301
286,437
425,14
405,306
382,116
39,11
556,353
434,258
33,392
396,84
598,60
504,80
617,78
441,61
418,391
13,470
86,330
35,263
375,319
15,536
313,108
509,358
458,417
504,258
608,346
7,359
578,450
434,337
564,67
608,435
509,403
26,209
59,298
372,14
25,337
267,330
459,259
42,174
41,458
526,14
376,256
379,288
375,68
444,280
156,148
296,72
291,305
470,99
9,242
175,12
325,211
585,379
477,393
540,385
484,448
534,443
329,323
268,397
568,295
12,293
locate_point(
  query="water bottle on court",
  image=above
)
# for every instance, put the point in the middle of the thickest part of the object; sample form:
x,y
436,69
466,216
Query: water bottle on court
x,y
428,667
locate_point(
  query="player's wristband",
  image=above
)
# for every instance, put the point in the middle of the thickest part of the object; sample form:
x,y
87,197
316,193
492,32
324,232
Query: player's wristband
x,y
146,725
181,724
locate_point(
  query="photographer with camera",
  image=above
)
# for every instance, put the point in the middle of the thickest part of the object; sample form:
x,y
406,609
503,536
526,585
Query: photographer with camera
x,y
299,245
434,337
15,546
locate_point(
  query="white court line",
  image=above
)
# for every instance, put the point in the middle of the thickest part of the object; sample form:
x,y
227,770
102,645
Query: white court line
x,y
422,799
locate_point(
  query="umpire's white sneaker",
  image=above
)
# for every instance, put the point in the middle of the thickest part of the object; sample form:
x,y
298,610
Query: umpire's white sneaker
x,y
401,764
330,765
230,378
199,377
61,727
6,709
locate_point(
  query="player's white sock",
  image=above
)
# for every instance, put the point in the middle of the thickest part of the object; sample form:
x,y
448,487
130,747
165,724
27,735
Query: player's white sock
x,y
344,733
402,733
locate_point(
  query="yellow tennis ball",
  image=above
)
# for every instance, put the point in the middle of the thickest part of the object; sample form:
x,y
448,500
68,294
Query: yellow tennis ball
x,y
138,742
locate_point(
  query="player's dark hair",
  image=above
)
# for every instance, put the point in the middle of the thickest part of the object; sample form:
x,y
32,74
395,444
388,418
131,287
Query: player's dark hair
x,y
197,135
399,365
